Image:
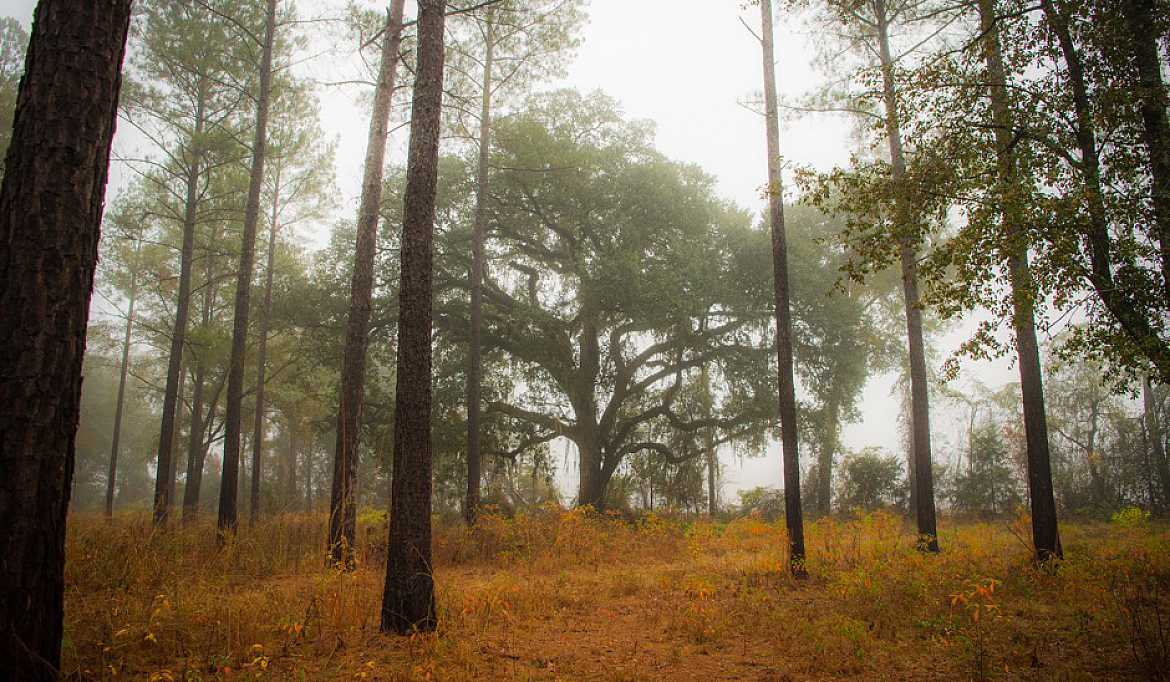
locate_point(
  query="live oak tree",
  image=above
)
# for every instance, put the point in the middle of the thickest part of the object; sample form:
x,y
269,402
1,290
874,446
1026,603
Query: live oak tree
x,y
50,215
408,598
609,278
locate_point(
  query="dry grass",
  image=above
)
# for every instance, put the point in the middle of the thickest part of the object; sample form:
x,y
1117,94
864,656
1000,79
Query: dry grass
x,y
565,595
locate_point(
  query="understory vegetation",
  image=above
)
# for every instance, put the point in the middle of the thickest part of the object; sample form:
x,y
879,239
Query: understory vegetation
x,y
560,594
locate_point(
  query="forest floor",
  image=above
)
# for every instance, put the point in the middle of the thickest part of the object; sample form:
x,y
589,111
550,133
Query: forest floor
x,y
572,596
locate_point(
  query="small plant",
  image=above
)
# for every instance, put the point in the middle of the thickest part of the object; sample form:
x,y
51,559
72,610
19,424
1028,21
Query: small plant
x,y
1131,517
978,603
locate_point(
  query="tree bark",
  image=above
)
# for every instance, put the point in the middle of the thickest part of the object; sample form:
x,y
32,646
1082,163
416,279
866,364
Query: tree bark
x,y
408,601
262,356
342,503
169,426
919,391
112,477
51,201
233,417
784,364
1045,533
478,237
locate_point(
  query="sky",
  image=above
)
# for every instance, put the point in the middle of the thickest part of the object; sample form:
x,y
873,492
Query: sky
x,y
687,65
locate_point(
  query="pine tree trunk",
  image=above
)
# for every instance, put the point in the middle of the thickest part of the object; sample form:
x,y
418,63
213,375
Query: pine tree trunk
x,y
408,601
1045,534
291,481
825,462
262,355
342,502
166,439
196,446
784,364
475,277
50,217
233,417
919,391
112,477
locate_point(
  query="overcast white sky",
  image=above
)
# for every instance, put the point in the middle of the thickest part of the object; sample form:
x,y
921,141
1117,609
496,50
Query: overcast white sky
x,y
685,64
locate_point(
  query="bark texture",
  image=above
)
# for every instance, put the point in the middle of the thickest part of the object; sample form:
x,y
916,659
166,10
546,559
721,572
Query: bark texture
x,y
233,415
784,364
342,502
50,217
408,601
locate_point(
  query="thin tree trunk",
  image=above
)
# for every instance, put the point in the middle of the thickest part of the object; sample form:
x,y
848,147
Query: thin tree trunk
x,y
342,504
291,481
919,391
169,426
475,276
408,601
825,464
1151,92
181,391
50,220
112,477
1045,533
233,417
787,386
262,355
1157,444
195,451
196,445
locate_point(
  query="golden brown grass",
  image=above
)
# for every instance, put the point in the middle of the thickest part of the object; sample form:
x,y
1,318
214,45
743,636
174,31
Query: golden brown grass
x,y
566,595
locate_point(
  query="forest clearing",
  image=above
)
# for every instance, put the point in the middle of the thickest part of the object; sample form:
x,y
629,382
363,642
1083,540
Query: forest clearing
x,y
584,340
567,595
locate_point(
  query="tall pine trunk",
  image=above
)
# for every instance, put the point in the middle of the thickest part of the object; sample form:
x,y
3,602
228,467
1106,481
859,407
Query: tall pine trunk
x,y
784,364
475,277
51,201
169,426
342,499
233,417
112,476
408,601
1045,535
262,356
919,392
